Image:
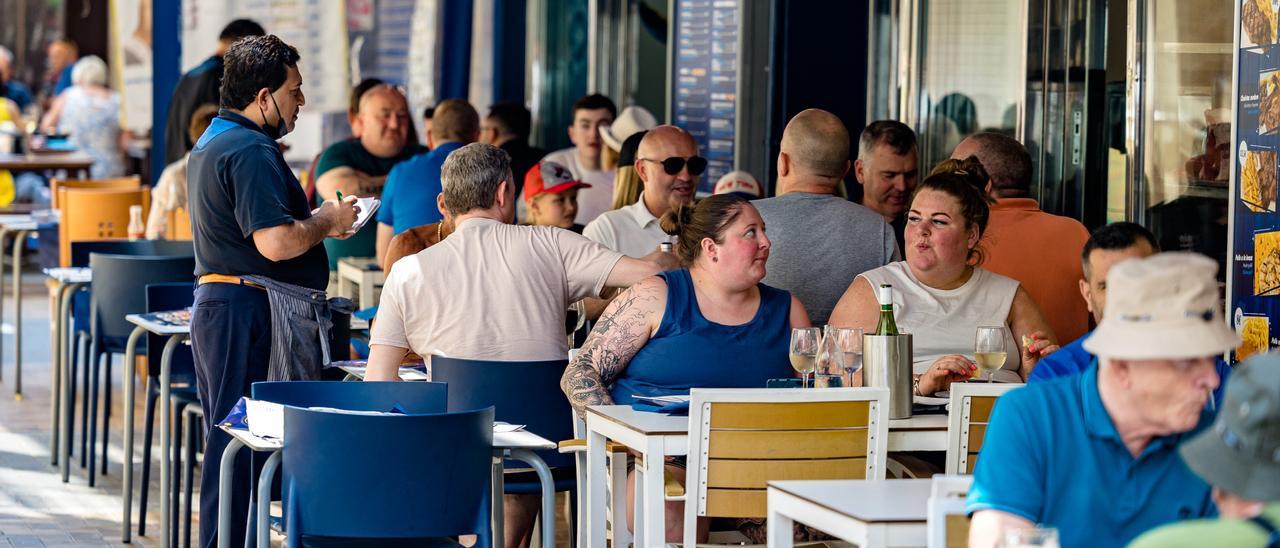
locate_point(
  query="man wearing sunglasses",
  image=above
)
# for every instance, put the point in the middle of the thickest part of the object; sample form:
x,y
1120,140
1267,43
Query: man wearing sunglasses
x,y
668,163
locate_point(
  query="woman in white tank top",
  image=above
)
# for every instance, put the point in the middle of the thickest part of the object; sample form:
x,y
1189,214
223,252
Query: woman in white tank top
x,y
940,296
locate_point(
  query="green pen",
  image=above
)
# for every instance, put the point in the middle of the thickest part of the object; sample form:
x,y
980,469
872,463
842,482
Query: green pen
x,y
339,195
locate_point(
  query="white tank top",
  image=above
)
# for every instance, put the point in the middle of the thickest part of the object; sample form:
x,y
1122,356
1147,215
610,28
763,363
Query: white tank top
x,y
945,321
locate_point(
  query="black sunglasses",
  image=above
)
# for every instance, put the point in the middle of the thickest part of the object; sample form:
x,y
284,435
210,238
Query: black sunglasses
x,y
674,164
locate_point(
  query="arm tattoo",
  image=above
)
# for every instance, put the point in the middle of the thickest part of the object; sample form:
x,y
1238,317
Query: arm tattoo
x,y
618,335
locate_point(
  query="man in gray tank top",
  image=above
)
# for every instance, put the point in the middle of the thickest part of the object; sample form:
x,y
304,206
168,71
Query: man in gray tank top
x,y
820,241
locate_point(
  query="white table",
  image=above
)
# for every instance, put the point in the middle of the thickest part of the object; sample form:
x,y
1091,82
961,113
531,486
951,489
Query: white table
x,y
70,280
20,226
869,513
519,445
656,436
406,373
362,272
177,332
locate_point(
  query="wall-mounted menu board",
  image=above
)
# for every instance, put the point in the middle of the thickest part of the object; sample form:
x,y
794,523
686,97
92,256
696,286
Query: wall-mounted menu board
x,y
1254,282
704,79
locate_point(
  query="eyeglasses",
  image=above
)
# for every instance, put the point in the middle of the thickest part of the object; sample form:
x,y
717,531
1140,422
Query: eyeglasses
x,y
674,164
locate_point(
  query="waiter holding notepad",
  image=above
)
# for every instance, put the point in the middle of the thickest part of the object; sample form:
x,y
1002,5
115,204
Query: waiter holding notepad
x,y
253,228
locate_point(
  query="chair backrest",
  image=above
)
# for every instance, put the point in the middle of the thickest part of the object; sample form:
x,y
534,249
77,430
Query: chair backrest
x,y
179,225
971,405
947,523
161,248
411,397
385,476
95,215
163,297
741,439
116,183
119,289
525,393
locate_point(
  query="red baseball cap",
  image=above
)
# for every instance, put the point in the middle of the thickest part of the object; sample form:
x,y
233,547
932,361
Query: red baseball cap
x,y
549,177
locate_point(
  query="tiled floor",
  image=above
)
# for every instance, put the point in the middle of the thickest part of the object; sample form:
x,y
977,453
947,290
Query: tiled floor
x,y
36,508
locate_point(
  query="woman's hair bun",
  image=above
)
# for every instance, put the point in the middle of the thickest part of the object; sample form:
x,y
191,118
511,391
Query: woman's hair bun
x,y
674,220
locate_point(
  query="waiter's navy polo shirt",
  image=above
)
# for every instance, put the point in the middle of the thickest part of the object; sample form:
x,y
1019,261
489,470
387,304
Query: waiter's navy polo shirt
x,y
1053,456
239,183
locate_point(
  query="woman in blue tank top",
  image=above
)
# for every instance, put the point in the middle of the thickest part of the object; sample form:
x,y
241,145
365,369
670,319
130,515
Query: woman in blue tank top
x,y
709,325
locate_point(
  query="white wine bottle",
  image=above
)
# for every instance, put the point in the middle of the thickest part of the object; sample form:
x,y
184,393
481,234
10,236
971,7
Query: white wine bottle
x,y
886,326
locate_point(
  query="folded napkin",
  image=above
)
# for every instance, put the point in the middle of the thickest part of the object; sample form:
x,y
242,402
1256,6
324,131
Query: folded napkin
x,y
675,404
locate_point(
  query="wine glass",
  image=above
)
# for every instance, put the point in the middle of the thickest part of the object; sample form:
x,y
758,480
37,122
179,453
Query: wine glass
x,y
989,350
804,351
847,341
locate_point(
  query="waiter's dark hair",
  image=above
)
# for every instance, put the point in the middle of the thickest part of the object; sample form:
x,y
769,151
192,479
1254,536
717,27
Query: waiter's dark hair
x,y
252,64
240,28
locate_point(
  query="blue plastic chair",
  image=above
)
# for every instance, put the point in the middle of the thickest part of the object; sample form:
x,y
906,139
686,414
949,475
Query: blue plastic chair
x,y
411,397
525,393
386,478
164,297
80,307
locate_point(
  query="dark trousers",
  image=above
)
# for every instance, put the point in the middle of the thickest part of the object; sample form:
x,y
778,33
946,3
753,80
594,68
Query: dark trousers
x,y
231,343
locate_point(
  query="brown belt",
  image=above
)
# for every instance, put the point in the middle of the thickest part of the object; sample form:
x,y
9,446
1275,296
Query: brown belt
x,y
226,279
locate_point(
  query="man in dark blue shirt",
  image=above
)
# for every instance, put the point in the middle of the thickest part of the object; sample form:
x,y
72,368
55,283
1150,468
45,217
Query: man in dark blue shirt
x,y
200,86
249,216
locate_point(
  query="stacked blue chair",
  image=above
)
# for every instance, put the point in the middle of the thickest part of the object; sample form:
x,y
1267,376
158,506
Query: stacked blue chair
x,y
119,289
525,393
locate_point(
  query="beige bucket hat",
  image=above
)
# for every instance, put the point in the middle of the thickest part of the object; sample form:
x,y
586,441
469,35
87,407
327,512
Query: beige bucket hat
x,y
1165,306
632,120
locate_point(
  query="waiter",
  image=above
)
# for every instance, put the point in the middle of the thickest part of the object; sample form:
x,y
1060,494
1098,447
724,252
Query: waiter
x,y
249,216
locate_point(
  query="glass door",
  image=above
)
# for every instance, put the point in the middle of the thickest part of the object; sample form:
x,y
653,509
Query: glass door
x,y
1180,128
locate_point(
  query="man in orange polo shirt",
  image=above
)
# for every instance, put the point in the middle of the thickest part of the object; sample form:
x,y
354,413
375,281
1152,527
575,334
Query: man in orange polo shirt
x,y
1040,250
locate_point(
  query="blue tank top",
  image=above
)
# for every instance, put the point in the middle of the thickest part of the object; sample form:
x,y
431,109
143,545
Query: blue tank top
x,y
688,351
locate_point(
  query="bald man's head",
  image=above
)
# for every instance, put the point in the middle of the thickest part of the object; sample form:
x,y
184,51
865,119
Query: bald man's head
x,y
663,190
817,143
657,143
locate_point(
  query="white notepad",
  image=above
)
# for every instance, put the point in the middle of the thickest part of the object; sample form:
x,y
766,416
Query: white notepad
x,y
368,206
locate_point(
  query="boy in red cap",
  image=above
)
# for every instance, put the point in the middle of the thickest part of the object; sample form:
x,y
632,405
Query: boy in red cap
x,y
551,192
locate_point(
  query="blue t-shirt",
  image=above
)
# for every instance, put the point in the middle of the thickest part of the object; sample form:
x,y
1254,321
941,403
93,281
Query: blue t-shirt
x,y
1073,359
409,195
238,182
1053,456
64,80
689,351
17,92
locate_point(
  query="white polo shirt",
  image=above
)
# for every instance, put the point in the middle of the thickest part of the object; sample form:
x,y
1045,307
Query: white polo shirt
x,y
631,230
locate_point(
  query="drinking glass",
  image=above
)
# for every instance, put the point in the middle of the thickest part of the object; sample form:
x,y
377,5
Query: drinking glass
x,y
989,350
804,351
847,341
1038,537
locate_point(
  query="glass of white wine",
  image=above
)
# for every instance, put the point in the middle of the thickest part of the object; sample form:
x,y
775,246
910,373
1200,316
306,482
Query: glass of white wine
x,y
804,351
989,349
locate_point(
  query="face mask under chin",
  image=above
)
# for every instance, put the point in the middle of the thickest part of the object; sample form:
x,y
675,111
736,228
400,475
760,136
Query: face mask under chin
x,y
279,129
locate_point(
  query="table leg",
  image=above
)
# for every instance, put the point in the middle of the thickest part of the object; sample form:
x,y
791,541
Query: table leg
x,y
55,382
495,507
130,357
366,290
264,499
4,232
655,496
17,314
595,490
226,469
637,513
165,442
64,429
780,530
548,492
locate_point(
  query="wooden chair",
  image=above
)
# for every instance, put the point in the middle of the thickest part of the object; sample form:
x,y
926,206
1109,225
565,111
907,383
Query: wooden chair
x,y
741,439
95,214
118,183
971,405
948,525
179,225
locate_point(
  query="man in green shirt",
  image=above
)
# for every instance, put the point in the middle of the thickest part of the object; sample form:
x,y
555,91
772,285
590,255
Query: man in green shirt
x,y
359,166
1240,457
